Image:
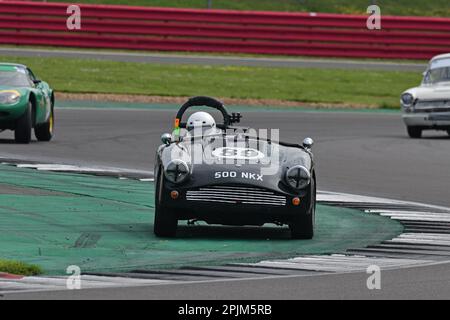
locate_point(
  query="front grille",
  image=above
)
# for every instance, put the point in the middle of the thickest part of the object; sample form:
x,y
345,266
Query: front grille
x,y
433,106
439,117
236,195
431,110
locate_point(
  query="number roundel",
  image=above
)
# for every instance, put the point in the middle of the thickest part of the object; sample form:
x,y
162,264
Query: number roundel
x,y
238,153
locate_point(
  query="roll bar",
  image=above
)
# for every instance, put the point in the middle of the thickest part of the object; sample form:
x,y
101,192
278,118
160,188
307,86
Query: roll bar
x,y
228,119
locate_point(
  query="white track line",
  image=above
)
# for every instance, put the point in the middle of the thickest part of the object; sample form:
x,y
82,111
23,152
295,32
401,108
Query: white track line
x,y
64,168
120,172
337,263
60,283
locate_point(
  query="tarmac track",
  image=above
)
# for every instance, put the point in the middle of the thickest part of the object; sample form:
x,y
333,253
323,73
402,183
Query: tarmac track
x,y
159,58
362,153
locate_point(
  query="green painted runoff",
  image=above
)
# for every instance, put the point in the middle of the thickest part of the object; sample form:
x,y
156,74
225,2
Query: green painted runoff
x,y
104,224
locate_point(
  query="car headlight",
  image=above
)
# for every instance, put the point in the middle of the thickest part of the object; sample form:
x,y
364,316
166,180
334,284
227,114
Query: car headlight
x,y
407,99
298,177
176,171
9,97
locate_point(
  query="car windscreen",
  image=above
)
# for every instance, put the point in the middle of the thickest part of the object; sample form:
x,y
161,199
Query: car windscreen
x,y
13,77
437,75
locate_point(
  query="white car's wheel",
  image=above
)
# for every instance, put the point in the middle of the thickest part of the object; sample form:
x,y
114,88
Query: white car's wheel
x,y
414,132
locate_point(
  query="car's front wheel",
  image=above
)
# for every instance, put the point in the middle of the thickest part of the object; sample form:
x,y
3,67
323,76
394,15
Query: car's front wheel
x,y
302,226
165,222
414,132
22,132
44,132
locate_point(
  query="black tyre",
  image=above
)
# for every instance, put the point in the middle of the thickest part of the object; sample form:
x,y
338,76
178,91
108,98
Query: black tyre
x,y
44,132
22,133
165,223
414,132
302,227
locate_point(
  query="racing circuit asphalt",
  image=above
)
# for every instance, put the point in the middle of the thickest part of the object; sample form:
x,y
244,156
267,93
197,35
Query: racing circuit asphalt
x,y
165,58
365,153
362,153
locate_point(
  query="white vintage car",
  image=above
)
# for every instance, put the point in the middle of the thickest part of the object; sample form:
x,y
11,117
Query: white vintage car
x,y
427,107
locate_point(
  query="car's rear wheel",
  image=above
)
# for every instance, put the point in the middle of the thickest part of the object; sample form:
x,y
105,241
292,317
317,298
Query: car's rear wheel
x,y
44,132
302,226
165,222
414,132
22,132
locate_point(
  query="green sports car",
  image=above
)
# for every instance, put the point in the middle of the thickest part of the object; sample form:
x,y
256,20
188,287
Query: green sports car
x,y
25,103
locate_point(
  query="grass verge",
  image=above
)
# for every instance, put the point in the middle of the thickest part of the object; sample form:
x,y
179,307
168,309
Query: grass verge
x,y
331,86
19,268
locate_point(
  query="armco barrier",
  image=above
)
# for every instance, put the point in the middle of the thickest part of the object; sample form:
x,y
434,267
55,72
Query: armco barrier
x,y
143,28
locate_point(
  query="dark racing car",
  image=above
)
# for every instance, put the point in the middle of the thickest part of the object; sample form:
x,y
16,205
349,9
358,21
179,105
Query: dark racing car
x,y
223,174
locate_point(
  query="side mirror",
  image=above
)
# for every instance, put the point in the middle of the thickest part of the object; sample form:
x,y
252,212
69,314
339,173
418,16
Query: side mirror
x,y
308,143
37,81
166,138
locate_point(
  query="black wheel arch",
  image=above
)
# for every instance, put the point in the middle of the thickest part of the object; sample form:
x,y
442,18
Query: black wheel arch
x,y
313,190
32,99
52,99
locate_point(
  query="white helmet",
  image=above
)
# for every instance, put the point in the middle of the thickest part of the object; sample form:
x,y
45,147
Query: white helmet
x,y
200,119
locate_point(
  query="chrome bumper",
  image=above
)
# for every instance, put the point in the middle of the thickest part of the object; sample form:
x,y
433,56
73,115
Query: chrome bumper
x,y
427,119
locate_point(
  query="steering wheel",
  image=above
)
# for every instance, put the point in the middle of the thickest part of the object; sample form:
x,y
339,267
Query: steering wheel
x,y
208,102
